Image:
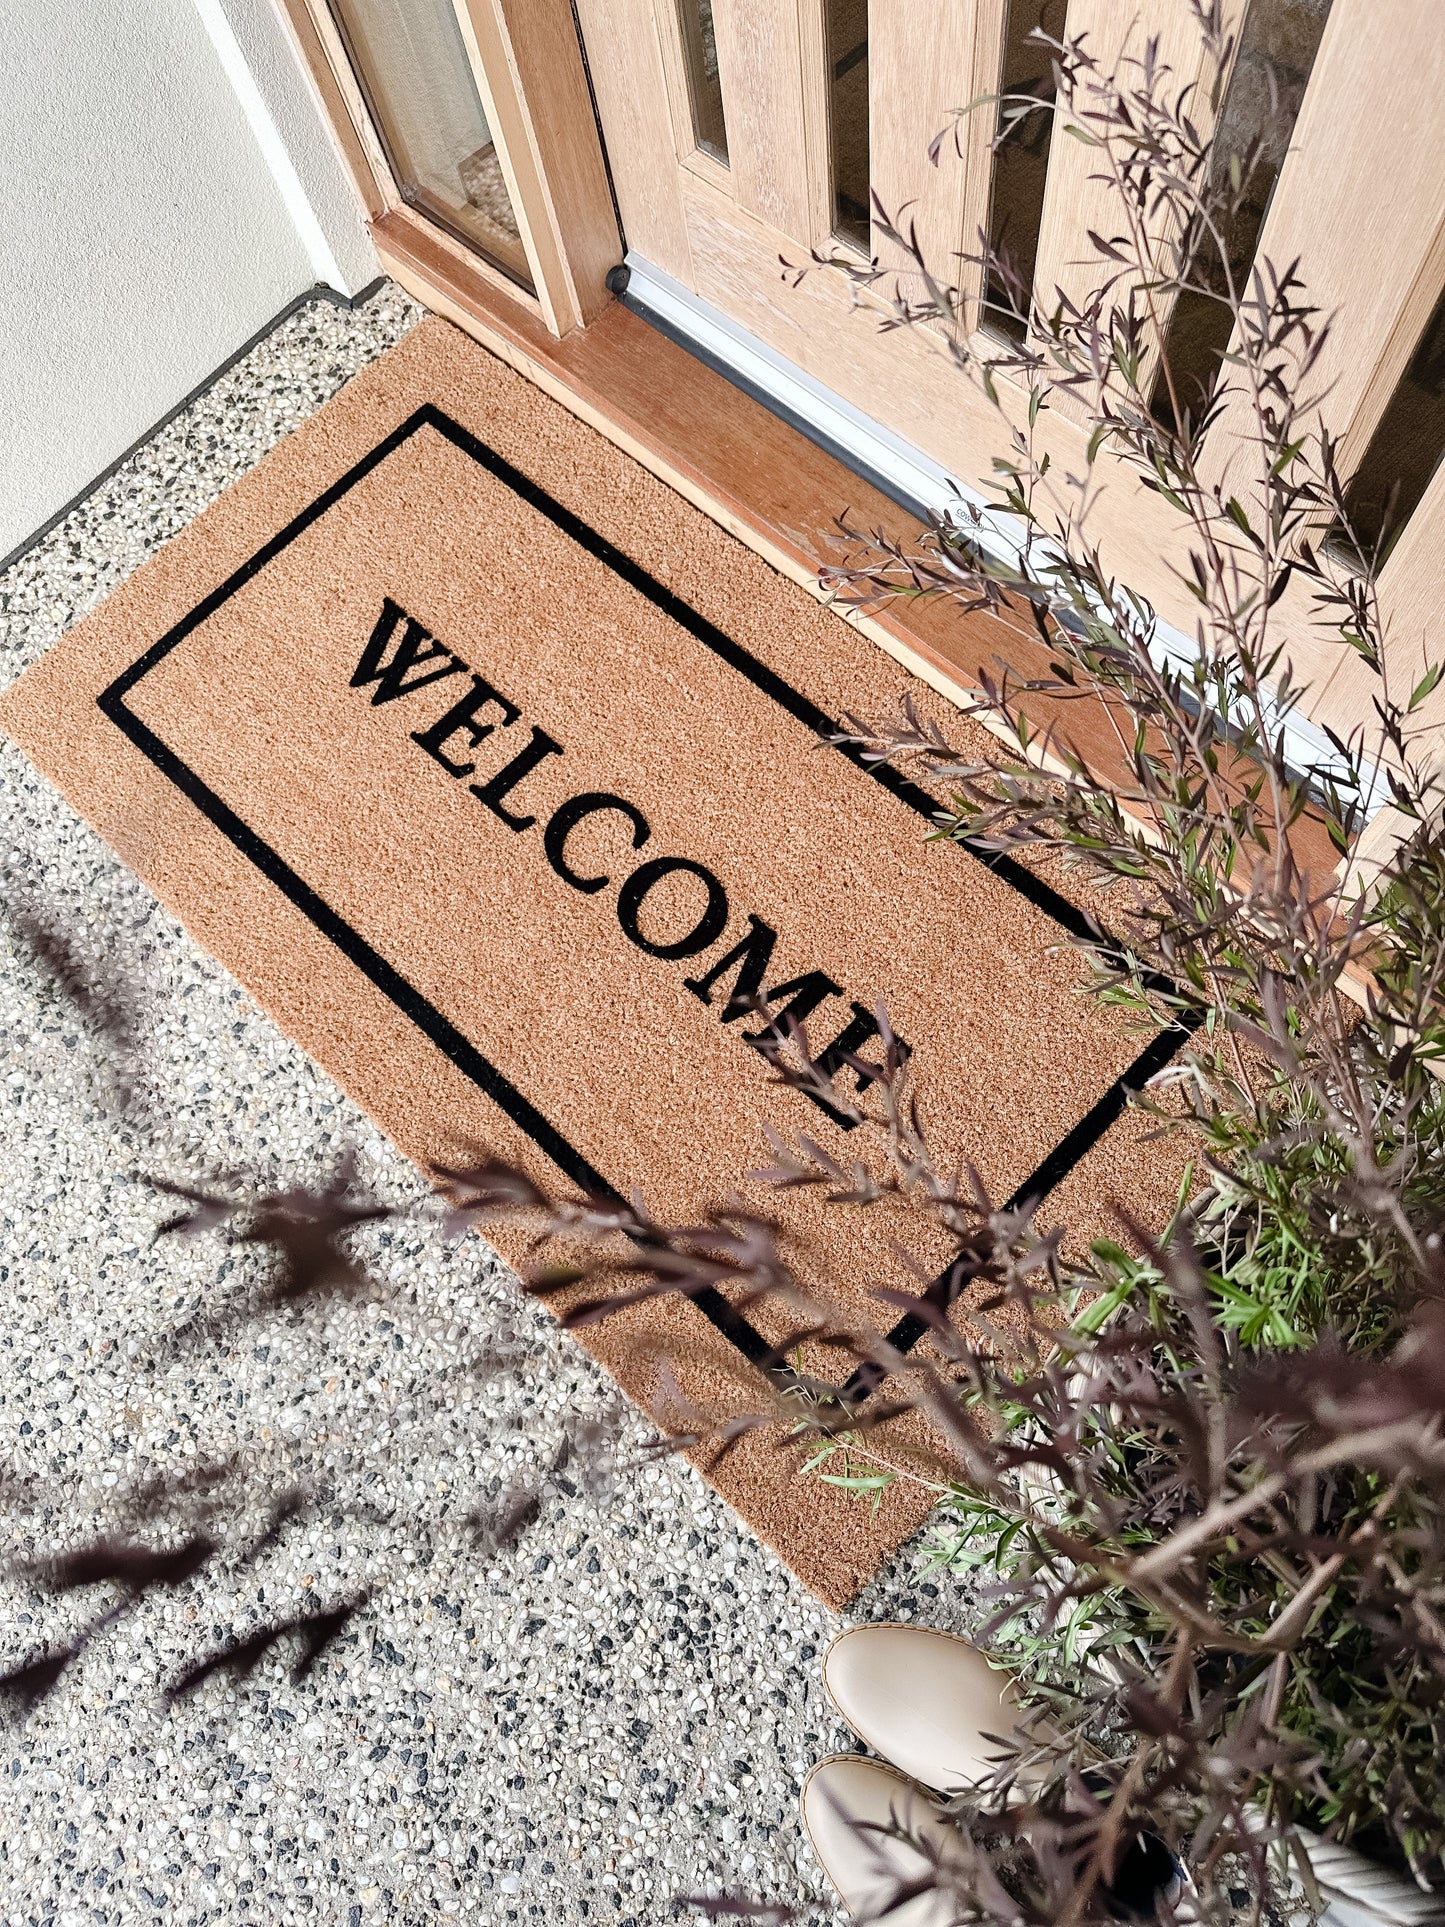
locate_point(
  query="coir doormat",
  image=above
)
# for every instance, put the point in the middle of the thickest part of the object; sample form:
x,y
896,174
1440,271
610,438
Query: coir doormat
x,y
491,767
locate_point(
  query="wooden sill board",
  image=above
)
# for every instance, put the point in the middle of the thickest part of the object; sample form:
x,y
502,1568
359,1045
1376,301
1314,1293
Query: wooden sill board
x,y
758,477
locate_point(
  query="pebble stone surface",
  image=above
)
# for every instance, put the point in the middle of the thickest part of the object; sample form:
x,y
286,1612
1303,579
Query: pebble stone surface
x,y
616,1711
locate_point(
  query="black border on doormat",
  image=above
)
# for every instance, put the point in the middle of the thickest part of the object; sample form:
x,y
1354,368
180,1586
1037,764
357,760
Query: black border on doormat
x,y
459,1049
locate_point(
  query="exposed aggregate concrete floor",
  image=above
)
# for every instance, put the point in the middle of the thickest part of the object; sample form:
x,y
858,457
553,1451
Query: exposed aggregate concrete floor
x,y
617,1711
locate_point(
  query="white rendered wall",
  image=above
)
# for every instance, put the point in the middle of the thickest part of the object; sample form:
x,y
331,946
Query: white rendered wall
x,y
148,222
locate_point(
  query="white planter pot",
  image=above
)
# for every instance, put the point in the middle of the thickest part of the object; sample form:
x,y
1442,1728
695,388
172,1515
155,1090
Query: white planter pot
x,y
1361,1893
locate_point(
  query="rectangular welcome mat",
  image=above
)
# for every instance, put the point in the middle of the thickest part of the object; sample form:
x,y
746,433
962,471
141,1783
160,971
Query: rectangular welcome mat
x,y
491,767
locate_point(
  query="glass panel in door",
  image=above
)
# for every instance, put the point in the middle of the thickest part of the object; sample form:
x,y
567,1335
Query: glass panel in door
x,y
699,45
847,43
1277,49
411,62
1021,160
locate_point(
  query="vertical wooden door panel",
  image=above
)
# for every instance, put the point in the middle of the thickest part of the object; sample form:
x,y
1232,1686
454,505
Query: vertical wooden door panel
x,y
1360,203
760,60
926,62
625,62
814,106
1118,32
1414,630
1413,624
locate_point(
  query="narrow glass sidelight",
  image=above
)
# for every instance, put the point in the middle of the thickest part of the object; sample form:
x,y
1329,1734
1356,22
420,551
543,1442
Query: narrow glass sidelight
x,y
847,54
1403,455
411,62
1021,162
1277,48
699,45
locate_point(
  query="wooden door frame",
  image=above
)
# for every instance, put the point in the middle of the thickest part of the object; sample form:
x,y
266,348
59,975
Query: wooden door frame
x,y
528,67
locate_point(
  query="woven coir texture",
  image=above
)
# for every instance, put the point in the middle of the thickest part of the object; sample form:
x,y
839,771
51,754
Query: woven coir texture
x,y
294,724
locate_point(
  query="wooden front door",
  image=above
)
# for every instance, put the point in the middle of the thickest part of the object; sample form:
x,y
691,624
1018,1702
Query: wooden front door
x,y
746,137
